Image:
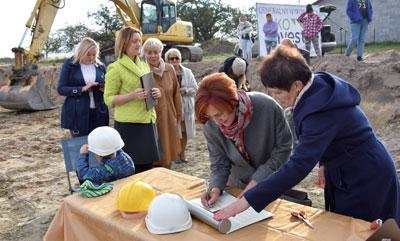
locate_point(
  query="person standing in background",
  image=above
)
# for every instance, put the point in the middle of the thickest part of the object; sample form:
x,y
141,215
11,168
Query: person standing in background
x,y
124,92
188,88
360,15
81,82
244,28
312,26
236,69
270,30
169,107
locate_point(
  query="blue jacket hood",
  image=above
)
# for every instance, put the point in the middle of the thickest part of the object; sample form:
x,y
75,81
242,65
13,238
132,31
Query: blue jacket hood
x,y
327,92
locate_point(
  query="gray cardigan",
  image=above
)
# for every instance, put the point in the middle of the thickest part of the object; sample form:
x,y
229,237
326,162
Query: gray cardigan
x,y
267,140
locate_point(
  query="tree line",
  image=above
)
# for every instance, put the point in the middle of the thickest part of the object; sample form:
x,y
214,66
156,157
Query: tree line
x,y
211,19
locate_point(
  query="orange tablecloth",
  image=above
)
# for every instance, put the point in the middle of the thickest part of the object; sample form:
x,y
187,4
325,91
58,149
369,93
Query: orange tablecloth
x,y
86,219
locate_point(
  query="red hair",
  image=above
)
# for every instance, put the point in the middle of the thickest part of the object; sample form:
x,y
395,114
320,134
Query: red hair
x,y
217,90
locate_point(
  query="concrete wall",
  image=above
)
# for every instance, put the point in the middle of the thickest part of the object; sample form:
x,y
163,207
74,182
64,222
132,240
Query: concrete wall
x,y
384,26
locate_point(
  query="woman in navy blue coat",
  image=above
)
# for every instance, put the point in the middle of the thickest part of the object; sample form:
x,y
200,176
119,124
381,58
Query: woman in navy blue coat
x,y
81,82
360,175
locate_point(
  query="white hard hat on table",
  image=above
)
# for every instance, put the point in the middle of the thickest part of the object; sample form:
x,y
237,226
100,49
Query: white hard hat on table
x,y
168,213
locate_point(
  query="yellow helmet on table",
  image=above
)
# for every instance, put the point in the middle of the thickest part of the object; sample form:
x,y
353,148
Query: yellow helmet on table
x,y
135,196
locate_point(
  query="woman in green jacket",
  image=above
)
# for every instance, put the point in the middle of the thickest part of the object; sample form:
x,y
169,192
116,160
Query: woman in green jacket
x,y
123,90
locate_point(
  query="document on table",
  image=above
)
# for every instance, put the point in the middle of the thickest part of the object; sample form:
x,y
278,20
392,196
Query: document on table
x,y
241,220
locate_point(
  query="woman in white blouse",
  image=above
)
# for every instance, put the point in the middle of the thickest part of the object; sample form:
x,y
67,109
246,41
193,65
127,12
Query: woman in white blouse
x,y
81,82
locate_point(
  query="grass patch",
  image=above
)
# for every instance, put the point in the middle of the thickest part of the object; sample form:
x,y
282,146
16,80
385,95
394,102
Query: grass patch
x,y
217,50
372,47
220,57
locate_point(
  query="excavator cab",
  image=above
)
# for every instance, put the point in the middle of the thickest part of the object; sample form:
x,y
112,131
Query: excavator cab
x,y
158,18
154,14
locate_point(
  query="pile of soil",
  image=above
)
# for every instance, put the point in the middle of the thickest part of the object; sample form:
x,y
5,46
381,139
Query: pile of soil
x,y
33,182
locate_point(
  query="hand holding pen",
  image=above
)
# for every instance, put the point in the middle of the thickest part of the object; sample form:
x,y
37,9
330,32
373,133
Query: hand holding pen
x,y
210,196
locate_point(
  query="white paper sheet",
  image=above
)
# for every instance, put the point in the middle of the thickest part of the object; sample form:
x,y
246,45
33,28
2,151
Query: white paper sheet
x,y
241,220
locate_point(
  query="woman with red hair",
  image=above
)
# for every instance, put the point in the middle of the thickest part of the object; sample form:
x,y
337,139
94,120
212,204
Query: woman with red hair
x,y
247,135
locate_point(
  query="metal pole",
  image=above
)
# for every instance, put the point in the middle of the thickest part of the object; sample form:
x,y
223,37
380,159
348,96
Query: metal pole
x,y
341,41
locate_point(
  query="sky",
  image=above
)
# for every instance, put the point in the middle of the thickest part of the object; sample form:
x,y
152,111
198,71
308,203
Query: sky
x,y
15,13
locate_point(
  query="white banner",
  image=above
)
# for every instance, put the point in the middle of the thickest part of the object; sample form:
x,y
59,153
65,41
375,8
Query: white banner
x,y
288,26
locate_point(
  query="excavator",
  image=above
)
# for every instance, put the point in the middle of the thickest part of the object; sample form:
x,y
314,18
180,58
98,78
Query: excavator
x,y
25,88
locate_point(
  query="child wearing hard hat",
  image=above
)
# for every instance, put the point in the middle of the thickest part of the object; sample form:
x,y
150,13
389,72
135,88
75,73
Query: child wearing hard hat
x,y
106,143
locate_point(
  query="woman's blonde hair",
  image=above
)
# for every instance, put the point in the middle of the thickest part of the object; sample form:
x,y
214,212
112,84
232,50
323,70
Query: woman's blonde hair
x,y
151,43
173,51
84,47
123,40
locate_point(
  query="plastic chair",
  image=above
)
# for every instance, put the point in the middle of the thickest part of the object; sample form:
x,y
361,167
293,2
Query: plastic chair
x,y
71,147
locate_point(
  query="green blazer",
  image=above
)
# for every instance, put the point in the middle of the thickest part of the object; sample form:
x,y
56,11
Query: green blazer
x,y
123,76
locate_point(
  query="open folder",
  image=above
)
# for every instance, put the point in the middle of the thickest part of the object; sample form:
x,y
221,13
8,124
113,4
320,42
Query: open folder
x,y
239,221
148,83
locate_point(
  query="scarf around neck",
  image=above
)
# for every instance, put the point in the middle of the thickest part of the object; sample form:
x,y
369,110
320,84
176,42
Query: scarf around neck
x,y
160,69
235,132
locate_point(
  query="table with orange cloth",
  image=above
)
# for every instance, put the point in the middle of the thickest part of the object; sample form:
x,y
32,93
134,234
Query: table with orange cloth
x,y
97,218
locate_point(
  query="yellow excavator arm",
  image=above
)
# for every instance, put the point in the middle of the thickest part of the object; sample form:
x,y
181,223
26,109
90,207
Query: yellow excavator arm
x,y
128,12
24,88
39,23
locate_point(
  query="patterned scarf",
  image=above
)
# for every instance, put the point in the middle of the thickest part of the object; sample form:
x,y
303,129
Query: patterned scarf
x,y
160,69
235,132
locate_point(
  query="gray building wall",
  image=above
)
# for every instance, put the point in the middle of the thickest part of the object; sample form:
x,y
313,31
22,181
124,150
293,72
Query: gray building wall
x,y
385,25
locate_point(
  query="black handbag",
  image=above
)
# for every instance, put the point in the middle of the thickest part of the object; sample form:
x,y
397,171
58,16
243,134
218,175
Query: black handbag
x,y
297,196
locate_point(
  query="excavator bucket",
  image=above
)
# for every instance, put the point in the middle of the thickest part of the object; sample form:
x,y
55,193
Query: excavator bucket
x,y
25,93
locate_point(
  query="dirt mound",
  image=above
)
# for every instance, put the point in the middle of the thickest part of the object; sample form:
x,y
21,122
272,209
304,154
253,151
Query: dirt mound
x,y
378,76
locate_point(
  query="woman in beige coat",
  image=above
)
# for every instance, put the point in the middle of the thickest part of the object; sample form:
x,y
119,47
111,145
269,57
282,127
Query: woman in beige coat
x,y
169,107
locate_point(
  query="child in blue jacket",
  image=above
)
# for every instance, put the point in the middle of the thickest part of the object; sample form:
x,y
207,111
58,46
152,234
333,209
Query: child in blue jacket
x,y
106,143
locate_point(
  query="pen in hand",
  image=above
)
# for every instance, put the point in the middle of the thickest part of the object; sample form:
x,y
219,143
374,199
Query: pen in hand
x,y
207,195
207,198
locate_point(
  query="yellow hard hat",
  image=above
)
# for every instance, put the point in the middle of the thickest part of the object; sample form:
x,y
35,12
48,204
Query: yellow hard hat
x,y
135,196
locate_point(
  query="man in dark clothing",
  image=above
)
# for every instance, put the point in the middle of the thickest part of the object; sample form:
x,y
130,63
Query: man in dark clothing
x,y
236,69
360,15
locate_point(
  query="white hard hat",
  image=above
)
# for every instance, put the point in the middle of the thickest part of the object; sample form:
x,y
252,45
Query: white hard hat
x,y
104,141
168,213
